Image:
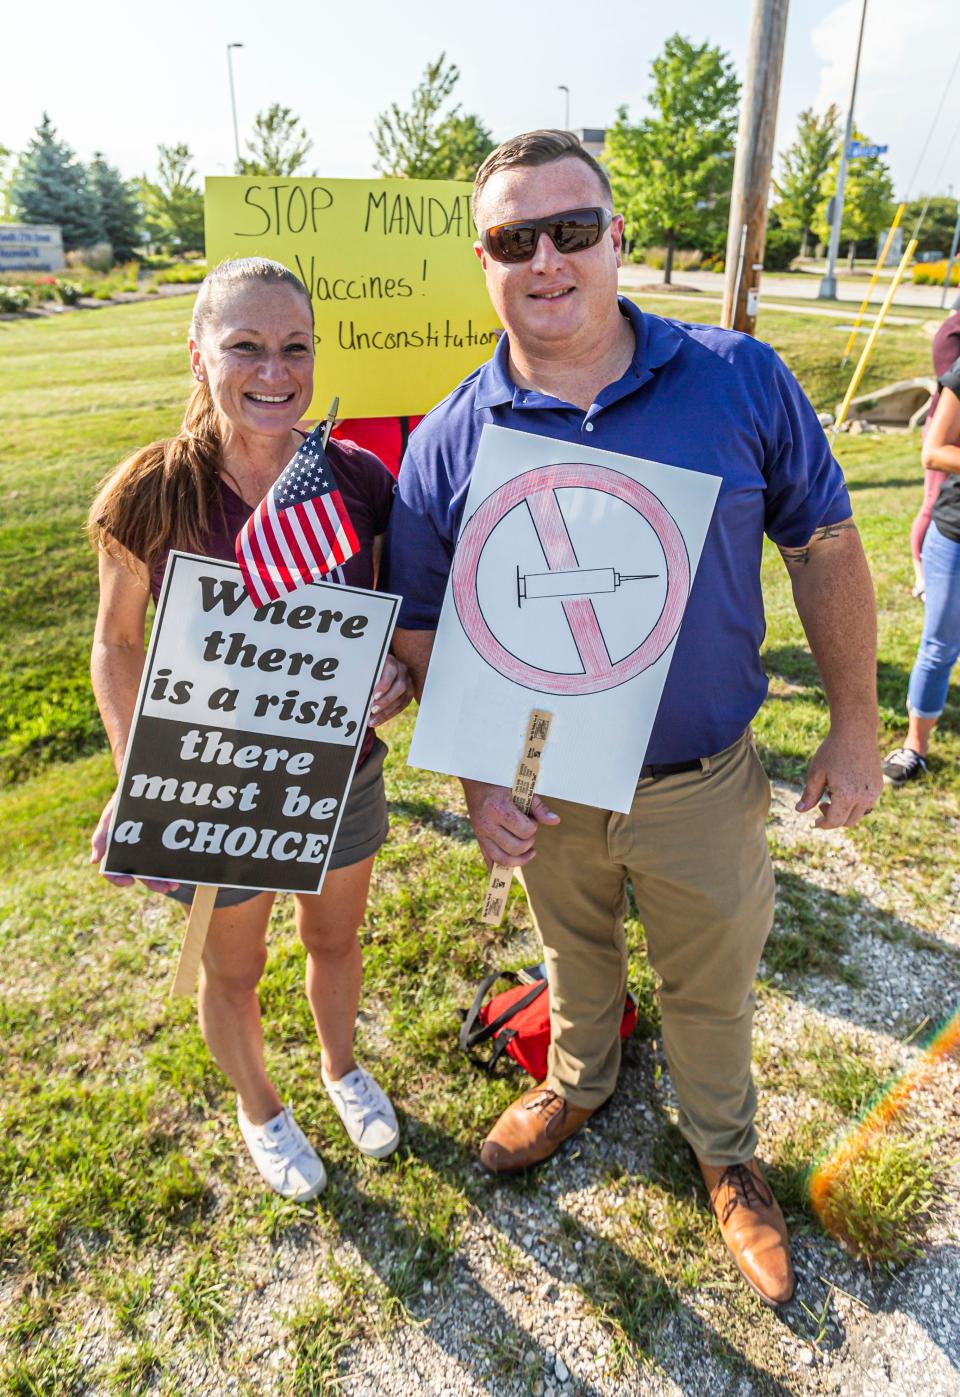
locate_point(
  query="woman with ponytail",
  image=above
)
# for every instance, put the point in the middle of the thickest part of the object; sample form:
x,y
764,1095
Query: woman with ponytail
x,y
251,355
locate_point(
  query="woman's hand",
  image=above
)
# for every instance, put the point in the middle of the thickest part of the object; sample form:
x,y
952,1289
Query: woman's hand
x,y
98,847
393,692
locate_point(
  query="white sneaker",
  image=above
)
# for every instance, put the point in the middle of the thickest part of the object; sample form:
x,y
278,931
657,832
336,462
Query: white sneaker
x,y
365,1110
284,1156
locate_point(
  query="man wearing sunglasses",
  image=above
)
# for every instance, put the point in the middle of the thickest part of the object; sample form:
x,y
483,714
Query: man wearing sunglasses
x,y
580,365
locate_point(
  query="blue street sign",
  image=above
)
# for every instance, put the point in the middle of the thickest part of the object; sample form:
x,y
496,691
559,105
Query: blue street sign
x,y
860,150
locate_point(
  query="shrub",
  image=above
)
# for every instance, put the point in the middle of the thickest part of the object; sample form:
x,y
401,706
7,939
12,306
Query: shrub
x,y
99,257
933,273
181,275
69,292
780,249
685,259
14,298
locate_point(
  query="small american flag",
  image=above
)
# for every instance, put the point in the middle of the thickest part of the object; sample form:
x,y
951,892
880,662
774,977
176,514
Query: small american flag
x,y
299,531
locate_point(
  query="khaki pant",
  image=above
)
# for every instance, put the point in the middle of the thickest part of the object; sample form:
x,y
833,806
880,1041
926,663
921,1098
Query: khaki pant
x,y
694,848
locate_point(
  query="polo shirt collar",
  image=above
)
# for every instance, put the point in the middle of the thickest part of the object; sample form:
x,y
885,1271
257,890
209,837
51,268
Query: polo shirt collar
x,y
657,341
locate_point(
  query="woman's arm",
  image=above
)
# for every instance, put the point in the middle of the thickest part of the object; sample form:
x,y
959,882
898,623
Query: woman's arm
x,y
117,658
940,451
116,664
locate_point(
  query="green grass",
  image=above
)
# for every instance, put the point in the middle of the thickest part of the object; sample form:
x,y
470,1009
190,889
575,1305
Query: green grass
x,y
122,1190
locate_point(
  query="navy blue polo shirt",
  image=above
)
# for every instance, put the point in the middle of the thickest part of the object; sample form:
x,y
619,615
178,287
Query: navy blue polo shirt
x,y
693,396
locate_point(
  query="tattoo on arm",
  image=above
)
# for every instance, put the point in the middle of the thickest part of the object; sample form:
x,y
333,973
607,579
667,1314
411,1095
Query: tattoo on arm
x,y
799,557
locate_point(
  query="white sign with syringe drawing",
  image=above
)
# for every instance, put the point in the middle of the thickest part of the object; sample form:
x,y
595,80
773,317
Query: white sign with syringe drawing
x,y
568,587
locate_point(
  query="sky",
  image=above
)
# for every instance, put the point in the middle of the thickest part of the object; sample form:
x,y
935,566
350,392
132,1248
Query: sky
x,y
129,79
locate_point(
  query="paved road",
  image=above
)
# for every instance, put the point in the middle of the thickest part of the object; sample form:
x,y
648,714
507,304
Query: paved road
x,y
803,287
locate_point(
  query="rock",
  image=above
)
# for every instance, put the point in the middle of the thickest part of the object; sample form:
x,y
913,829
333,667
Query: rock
x,y
805,1356
826,419
561,1370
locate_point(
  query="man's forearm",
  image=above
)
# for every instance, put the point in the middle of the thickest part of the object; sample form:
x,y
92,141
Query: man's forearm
x,y
414,649
833,593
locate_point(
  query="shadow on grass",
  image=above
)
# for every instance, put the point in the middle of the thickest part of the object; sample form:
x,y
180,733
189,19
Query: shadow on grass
x,y
446,822
646,1317
894,483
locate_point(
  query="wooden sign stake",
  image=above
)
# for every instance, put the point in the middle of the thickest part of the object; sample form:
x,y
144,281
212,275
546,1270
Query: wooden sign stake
x,y
198,922
524,785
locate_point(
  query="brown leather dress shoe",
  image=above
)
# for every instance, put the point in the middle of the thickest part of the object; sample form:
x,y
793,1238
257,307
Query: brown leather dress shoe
x,y
530,1131
753,1228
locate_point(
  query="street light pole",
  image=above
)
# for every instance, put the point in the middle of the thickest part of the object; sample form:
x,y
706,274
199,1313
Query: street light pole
x,y
828,286
562,87
233,103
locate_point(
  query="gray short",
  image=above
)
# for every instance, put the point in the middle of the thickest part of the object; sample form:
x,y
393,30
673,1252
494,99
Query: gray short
x,y
362,830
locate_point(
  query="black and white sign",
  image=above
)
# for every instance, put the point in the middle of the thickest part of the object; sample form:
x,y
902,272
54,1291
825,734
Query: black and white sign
x,y
248,726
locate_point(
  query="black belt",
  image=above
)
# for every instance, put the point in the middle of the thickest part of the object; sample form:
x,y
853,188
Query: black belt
x,y
669,768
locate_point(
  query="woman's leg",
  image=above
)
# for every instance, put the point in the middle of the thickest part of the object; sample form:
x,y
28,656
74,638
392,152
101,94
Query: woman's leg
x,y
940,642
233,959
328,924
932,480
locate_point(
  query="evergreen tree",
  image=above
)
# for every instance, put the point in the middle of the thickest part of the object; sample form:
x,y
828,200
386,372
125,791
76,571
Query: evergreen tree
x,y
673,170
805,163
867,199
279,145
172,203
424,143
50,186
120,214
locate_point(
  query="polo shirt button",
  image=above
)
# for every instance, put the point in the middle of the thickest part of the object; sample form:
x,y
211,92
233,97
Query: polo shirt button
x,y
588,426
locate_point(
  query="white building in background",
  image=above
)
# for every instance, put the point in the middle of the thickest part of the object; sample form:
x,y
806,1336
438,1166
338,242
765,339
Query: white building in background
x,y
593,139
31,247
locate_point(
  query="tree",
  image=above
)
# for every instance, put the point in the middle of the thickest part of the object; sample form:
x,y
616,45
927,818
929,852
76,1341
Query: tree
x,y
672,171
279,145
867,198
6,162
939,221
423,144
799,191
173,204
121,216
49,185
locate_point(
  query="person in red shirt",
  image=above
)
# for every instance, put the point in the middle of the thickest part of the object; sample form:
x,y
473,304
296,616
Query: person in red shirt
x,y
386,437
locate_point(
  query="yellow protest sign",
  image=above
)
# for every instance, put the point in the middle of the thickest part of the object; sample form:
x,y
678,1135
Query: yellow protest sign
x,y
401,309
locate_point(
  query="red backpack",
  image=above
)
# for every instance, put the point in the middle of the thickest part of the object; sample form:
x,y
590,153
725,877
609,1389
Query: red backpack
x,y
517,1021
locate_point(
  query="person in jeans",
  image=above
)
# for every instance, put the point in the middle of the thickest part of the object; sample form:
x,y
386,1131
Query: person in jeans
x,y
252,358
940,641
581,365
945,348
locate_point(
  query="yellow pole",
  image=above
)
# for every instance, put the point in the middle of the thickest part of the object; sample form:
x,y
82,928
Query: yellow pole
x,y
872,337
873,281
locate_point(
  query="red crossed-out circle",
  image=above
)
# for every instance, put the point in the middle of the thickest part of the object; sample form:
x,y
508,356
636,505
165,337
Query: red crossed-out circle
x,y
536,488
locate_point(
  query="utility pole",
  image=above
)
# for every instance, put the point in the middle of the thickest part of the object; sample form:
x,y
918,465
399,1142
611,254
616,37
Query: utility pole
x,y
950,260
828,286
233,103
562,87
747,230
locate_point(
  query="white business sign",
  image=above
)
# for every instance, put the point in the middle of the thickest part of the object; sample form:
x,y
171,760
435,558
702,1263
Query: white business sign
x,y
28,247
567,591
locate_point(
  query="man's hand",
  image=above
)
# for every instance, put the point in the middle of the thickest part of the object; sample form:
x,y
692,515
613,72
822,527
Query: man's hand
x,y
98,847
846,769
393,692
504,833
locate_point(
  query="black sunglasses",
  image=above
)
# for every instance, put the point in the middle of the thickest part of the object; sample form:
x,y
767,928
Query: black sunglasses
x,y
572,231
